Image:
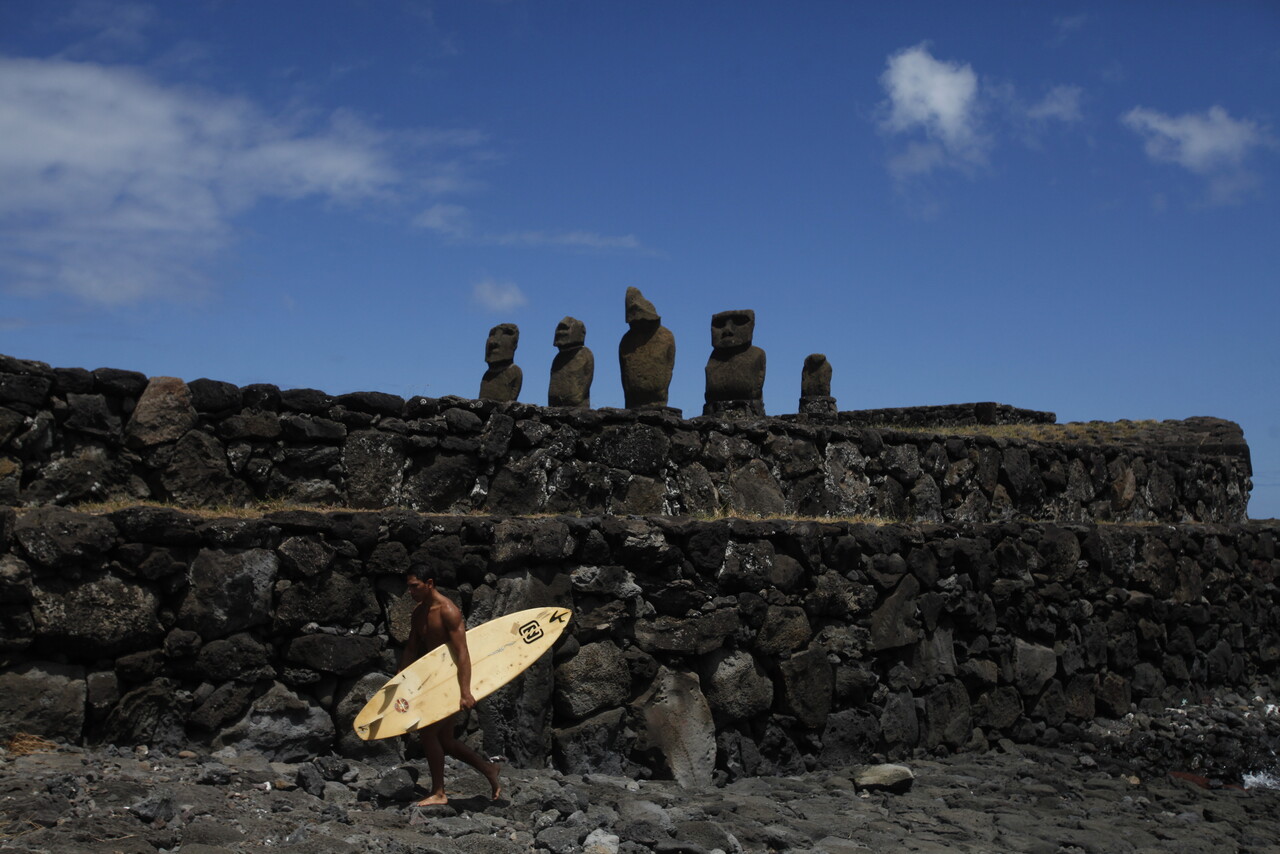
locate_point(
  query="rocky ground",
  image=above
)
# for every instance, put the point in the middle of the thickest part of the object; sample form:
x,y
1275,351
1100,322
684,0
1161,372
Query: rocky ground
x,y
1148,783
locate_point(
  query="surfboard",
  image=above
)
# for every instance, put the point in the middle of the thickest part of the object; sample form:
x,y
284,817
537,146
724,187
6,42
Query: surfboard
x,y
427,690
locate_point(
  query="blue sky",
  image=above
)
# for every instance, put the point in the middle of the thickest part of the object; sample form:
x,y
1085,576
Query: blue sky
x,y
1069,207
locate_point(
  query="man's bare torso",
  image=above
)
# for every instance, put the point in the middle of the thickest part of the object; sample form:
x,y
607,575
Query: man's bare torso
x,y
431,621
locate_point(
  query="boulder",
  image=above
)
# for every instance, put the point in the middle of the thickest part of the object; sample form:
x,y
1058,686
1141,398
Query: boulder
x,y
807,686
884,778
678,724
63,539
228,592
281,726
598,745
153,714
164,413
594,679
697,635
198,475
99,615
45,699
737,687
345,655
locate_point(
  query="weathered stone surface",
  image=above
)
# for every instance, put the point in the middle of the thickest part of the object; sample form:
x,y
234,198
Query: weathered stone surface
x,y
99,614
61,539
597,745
281,726
892,778
947,716
197,474
1034,666
697,635
678,722
736,685
45,699
503,380
374,463
345,655
597,677
152,714
894,623
646,353
807,686
240,657
228,592
330,599
573,368
164,413
735,371
785,629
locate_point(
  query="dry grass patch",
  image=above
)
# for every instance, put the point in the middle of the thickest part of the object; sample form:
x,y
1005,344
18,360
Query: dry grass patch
x,y
24,744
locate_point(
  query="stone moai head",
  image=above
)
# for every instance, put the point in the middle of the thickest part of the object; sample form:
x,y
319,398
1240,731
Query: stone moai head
x,y
732,329
570,333
501,346
639,309
815,379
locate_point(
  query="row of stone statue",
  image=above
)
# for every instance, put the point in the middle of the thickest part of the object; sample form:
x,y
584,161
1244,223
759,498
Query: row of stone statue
x,y
647,355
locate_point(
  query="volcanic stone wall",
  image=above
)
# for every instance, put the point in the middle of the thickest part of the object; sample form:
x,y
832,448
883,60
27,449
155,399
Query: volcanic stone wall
x,y
68,436
747,647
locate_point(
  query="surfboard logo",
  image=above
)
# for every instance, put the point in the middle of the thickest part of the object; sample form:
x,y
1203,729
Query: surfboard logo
x,y
402,705
531,631
558,617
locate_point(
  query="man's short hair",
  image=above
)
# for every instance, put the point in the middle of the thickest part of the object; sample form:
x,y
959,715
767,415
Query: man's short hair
x,y
422,572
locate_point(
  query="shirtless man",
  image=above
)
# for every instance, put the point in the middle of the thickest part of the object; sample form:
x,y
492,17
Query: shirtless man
x,y
437,620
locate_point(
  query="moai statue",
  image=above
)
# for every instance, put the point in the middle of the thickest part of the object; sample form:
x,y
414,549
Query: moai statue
x,y
816,402
647,354
735,371
503,379
573,367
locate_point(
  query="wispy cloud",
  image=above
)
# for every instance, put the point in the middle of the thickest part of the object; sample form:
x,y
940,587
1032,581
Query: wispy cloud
x,y
1211,144
1065,26
455,222
119,188
498,295
942,115
1061,103
115,28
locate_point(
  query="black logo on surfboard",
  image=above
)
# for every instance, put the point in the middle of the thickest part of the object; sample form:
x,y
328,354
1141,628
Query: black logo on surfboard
x,y
558,617
531,631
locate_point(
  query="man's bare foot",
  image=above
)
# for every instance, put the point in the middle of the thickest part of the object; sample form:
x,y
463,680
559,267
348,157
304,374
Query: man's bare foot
x,y
492,776
434,800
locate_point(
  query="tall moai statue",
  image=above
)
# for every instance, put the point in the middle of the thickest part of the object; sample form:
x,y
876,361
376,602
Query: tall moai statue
x,y
503,379
573,367
816,402
735,371
647,354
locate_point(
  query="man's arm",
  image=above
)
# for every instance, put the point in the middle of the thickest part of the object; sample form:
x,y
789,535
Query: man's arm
x,y
456,638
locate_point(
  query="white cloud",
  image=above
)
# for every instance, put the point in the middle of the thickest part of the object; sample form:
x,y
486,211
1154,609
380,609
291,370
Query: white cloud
x,y
944,116
454,221
1061,103
938,98
1202,143
117,188
498,296
449,220
1211,144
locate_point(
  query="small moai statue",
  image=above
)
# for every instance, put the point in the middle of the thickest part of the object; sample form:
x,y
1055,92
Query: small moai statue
x,y
503,379
735,371
647,354
816,402
573,367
